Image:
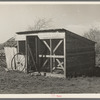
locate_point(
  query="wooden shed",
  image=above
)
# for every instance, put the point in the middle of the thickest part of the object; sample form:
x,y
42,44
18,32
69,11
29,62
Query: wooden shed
x,y
56,51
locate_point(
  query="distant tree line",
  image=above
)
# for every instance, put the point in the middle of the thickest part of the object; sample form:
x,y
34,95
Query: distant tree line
x,y
94,35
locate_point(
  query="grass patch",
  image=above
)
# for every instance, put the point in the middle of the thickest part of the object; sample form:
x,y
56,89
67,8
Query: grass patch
x,y
13,82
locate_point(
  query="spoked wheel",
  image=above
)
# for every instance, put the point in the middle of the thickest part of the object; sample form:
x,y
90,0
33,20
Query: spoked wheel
x,y
18,62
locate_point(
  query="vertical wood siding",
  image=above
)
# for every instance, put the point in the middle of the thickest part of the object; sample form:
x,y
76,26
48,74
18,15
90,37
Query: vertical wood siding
x,y
80,56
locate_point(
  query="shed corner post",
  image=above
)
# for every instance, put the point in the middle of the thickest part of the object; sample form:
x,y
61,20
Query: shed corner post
x,y
26,56
51,61
65,56
17,46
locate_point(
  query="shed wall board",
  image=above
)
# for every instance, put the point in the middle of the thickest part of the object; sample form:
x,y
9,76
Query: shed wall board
x,y
21,47
80,56
20,37
49,35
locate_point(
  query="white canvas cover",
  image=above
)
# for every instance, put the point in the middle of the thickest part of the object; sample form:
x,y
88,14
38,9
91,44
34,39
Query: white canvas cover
x,y
9,52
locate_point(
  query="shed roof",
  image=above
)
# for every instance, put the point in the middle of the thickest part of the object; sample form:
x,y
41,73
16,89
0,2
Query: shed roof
x,y
57,30
10,43
39,31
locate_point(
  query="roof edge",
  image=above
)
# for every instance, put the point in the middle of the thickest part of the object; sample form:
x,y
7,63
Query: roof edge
x,y
39,31
54,30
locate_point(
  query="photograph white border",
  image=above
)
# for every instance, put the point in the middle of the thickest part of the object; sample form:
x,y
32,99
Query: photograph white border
x,y
83,95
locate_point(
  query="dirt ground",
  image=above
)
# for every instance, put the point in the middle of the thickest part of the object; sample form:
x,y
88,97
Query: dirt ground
x,y
20,83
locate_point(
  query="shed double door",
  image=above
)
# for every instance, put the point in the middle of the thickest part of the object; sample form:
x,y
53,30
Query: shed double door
x,y
45,55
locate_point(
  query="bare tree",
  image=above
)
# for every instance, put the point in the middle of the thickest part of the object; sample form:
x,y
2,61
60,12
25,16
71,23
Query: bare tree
x,y
94,35
41,23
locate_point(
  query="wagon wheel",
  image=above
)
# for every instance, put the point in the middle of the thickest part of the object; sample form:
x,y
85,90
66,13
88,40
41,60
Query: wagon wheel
x,y
18,62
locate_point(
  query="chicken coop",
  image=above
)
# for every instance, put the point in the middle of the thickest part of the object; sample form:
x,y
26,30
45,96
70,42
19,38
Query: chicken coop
x,y
56,51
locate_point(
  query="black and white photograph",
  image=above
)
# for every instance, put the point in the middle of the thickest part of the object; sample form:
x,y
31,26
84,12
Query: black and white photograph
x,y
49,48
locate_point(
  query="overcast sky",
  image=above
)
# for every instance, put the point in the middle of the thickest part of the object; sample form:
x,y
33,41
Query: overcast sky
x,y
76,18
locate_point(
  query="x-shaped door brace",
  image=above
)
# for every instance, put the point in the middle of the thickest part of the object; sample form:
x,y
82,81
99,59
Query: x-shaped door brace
x,y
55,47
59,63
